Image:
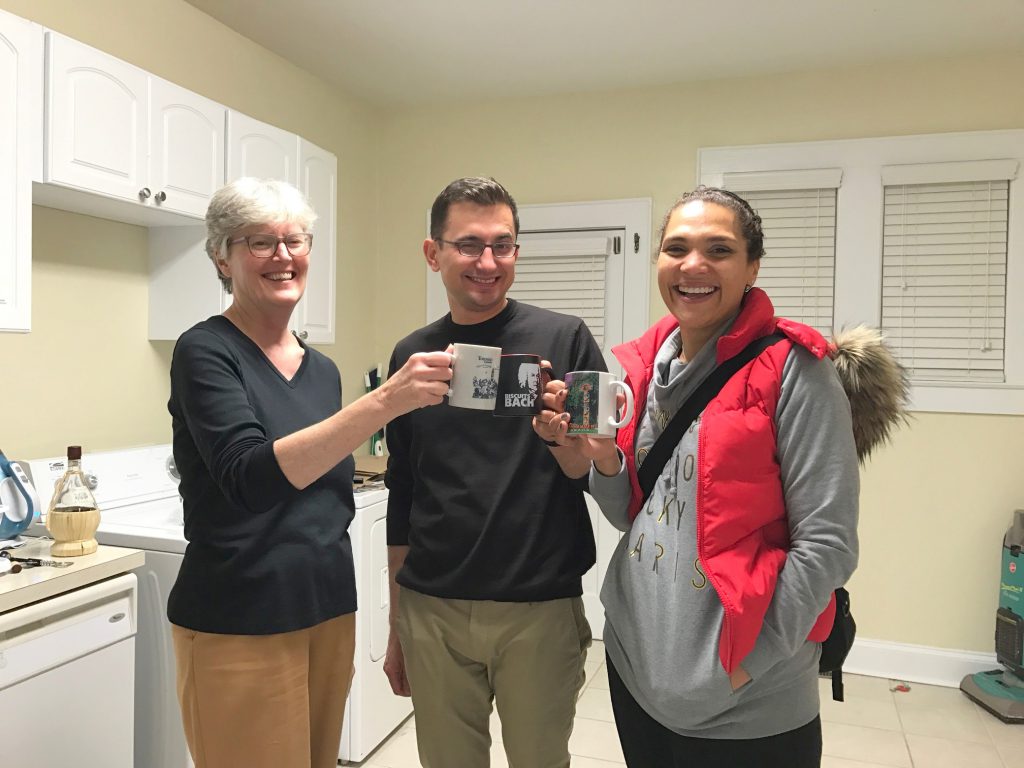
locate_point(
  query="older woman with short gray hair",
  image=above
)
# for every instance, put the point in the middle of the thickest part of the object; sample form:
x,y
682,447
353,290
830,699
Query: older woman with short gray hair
x,y
263,609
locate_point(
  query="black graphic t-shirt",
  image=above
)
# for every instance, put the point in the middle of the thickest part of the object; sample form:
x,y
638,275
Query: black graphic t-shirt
x,y
483,505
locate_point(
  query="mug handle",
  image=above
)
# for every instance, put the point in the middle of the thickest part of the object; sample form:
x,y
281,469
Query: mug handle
x,y
629,405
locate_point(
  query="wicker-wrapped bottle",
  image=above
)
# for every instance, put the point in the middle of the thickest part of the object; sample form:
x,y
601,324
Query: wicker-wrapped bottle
x,y
73,516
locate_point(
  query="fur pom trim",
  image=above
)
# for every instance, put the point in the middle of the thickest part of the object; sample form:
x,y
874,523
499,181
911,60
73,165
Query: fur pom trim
x,y
876,384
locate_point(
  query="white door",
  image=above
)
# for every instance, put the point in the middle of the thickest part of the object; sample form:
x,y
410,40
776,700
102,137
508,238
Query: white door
x,y
260,150
582,273
96,121
318,178
187,148
20,60
578,237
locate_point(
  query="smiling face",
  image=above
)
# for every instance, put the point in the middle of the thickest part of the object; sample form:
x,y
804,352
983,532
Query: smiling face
x,y
273,284
703,269
476,287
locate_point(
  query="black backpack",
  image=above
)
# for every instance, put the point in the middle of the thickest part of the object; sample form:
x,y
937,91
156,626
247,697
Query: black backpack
x,y
839,641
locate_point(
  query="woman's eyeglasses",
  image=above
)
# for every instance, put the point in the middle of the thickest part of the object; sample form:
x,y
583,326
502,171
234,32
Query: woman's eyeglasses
x,y
265,246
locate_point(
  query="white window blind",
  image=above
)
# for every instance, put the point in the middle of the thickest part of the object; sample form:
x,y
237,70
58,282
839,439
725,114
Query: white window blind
x,y
944,278
798,268
564,275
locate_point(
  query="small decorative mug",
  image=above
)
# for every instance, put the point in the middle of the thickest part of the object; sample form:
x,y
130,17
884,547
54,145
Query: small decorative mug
x,y
474,381
591,404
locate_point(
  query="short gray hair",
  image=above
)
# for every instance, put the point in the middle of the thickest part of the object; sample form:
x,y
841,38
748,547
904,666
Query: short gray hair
x,y
248,201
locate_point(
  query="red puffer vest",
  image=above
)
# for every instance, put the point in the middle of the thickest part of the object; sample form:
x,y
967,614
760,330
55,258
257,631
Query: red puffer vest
x,y
742,535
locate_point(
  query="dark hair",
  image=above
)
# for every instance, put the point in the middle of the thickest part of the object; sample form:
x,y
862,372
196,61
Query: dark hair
x,y
746,217
473,189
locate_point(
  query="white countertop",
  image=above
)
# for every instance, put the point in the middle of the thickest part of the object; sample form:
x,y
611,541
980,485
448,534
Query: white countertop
x,y
39,583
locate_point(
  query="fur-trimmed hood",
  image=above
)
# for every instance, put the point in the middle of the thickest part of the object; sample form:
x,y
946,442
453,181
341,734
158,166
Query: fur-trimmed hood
x,y
875,383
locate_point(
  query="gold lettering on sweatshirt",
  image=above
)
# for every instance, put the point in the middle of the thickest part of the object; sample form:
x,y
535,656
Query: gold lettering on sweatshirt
x,y
638,548
660,551
688,464
700,572
669,506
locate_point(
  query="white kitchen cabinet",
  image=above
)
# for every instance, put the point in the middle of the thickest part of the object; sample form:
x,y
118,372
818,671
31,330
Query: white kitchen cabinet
x,y
21,79
318,179
114,130
257,149
183,284
186,161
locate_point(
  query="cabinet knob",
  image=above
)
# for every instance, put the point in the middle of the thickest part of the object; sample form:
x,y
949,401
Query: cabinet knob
x,y
303,335
160,196
144,193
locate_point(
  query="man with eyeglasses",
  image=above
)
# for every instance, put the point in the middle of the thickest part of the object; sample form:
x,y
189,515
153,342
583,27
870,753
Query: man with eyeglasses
x,y
488,535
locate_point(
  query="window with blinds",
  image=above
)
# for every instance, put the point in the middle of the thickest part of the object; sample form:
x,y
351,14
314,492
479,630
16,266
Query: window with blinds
x,y
798,216
944,257
798,268
565,275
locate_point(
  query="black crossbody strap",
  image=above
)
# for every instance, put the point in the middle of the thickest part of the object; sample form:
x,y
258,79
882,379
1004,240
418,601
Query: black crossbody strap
x,y
659,454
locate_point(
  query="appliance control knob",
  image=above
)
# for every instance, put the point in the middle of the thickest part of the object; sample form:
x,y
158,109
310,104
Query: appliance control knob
x,y
172,468
91,480
160,196
144,193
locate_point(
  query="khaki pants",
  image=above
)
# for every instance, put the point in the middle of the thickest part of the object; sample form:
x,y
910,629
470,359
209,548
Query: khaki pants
x,y
265,701
460,655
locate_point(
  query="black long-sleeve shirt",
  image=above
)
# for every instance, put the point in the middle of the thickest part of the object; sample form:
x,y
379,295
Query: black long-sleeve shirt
x,y
263,557
482,504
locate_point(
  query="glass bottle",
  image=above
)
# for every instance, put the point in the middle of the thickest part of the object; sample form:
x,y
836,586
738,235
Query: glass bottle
x,y
73,516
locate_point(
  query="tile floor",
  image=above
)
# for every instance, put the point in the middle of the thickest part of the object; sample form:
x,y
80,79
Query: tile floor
x,y
876,727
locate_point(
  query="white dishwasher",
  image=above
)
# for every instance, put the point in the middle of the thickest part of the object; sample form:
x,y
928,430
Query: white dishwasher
x,y
67,671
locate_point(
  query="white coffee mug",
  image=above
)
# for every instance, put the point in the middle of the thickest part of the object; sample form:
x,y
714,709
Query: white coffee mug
x,y
590,402
474,381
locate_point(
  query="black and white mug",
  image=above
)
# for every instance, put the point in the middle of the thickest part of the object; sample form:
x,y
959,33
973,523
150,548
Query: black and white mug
x,y
474,381
520,385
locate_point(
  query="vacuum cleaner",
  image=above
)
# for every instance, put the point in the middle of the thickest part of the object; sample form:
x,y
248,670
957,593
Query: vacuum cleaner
x,y
1001,691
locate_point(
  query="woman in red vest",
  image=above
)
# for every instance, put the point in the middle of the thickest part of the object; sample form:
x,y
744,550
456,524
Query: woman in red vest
x,y
720,591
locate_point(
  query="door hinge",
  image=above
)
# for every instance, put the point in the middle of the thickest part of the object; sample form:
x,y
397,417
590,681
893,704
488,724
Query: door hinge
x,y
636,242
617,245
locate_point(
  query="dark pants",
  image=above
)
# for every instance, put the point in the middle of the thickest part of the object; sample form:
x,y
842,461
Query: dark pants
x,y
646,743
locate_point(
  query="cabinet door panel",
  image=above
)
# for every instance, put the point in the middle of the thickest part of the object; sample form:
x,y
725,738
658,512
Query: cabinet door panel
x,y
187,161
261,150
20,73
318,172
97,121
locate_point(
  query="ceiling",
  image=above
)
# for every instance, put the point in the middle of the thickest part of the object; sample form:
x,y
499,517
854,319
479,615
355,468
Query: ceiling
x,y
404,52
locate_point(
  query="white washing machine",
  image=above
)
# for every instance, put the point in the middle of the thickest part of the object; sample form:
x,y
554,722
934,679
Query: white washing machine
x,y
137,493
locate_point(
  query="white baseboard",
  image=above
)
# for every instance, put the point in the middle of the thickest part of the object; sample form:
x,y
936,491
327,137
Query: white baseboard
x,y
915,663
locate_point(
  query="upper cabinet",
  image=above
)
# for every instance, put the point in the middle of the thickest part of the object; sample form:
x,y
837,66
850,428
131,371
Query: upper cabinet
x,y
108,139
20,87
114,130
261,150
318,178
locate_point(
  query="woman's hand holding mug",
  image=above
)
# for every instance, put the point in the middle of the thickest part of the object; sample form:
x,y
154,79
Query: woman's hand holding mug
x,y
422,381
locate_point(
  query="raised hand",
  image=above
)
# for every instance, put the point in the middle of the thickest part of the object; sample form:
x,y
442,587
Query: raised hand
x,y
422,381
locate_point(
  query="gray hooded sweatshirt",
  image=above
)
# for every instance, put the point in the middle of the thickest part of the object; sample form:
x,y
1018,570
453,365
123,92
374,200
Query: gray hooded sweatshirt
x,y
663,616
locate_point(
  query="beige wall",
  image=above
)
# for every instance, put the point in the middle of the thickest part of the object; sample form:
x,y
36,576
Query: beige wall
x,y
936,502
88,373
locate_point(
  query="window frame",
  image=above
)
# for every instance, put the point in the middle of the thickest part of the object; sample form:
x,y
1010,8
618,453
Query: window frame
x,y
859,218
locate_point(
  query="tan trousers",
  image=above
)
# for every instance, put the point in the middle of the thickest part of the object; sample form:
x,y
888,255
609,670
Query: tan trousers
x,y
265,701
460,655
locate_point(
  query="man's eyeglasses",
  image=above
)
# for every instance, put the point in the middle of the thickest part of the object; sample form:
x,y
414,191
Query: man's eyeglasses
x,y
265,246
474,249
